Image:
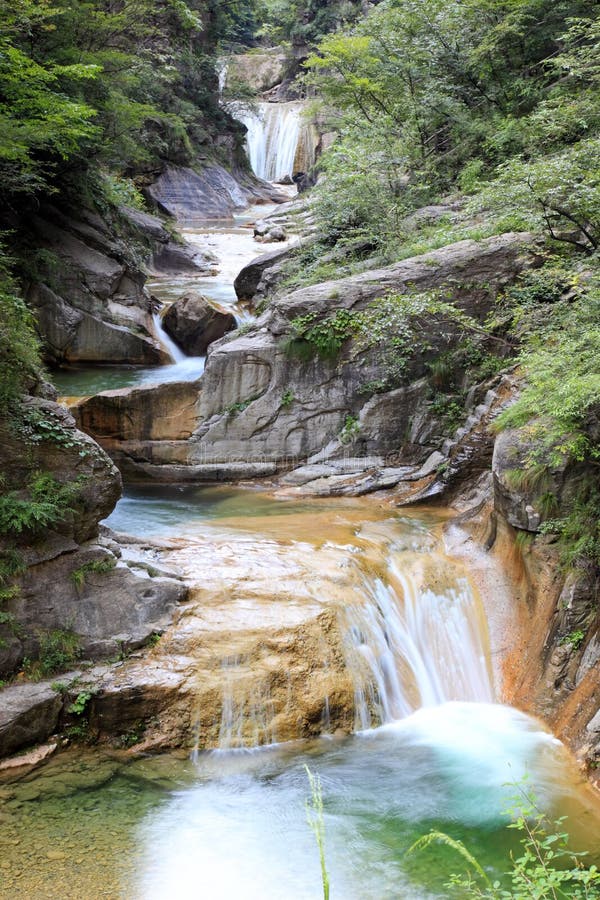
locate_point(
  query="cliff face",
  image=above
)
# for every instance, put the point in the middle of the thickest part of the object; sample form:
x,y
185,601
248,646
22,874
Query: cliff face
x,y
550,651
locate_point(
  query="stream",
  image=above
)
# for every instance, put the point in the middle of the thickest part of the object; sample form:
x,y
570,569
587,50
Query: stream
x,y
432,749
432,746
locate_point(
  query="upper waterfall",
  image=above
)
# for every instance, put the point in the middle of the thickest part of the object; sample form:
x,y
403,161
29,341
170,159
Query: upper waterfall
x,y
279,142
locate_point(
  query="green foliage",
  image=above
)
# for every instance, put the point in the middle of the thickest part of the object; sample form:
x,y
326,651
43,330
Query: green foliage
x,y
316,821
546,869
428,97
79,705
19,346
36,427
325,337
579,529
287,398
94,567
241,405
560,362
575,639
350,431
58,651
44,504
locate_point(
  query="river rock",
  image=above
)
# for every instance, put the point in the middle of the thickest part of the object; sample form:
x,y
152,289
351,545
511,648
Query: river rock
x,y
194,322
275,234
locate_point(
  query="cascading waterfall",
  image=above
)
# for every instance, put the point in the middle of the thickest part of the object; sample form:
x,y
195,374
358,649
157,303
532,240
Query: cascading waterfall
x,y
279,143
409,647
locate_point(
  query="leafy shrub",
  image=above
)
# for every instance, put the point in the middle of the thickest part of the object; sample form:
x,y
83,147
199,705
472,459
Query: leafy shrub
x,y
44,504
59,650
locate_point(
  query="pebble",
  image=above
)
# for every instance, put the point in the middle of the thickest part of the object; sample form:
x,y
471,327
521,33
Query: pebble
x,y
56,854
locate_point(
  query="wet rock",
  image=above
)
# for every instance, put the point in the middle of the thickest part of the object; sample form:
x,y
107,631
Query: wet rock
x,y
172,259
194,322
28,714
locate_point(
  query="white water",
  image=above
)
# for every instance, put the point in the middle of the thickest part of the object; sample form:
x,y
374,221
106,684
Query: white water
x,y
176,353
409,646
276,137
242,832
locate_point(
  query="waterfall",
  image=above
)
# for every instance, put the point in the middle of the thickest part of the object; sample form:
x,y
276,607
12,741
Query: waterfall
x,y
175,352
279,143
408,647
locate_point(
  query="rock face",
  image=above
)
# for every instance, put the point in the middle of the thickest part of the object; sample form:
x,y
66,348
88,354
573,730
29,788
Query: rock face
x,y
91,306
262,70
166,255
195,322
261,405
213,193
68,587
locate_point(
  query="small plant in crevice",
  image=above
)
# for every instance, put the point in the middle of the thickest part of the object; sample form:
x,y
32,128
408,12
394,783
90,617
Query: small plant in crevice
x,y
287,398
575,639
240,405
79,708
350,430
94,567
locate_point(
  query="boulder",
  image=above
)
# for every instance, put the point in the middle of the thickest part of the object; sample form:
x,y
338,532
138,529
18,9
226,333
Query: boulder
x,y
194,322
274,235
28,714
192,196
249,277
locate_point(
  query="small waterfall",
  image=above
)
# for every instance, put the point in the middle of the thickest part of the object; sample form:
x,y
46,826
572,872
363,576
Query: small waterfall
x,y
409,647
247,712
279,143
175,352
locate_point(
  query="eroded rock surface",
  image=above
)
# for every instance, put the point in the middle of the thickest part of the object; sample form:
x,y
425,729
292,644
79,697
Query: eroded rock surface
x,y
92,306
259,405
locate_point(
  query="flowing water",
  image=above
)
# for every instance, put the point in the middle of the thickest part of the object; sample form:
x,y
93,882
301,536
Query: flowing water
x,y
279,143
233,245
233,824
407,640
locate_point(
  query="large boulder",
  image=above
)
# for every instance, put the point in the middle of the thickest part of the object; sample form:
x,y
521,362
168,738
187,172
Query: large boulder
x,y
191,196
194,322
